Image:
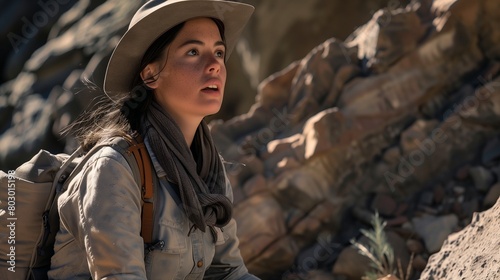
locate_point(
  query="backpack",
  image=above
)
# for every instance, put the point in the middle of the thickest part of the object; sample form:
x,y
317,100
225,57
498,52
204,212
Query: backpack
x,y
29,220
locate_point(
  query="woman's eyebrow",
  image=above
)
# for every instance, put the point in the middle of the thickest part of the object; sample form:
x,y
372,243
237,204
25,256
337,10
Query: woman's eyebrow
x,y
198,42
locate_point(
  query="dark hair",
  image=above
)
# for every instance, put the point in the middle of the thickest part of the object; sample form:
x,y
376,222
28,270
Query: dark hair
x,y
122,117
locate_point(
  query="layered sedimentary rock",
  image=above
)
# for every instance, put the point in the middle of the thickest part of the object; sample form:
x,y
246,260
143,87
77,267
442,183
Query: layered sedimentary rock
x,y
394,110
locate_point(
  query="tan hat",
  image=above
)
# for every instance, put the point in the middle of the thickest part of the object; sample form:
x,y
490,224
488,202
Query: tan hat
x,y
155,18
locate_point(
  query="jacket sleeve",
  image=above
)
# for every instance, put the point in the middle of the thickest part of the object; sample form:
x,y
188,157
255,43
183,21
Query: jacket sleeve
x,y
228,263
107,222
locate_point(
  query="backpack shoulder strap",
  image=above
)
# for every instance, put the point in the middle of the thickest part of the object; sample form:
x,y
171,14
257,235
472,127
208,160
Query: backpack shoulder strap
x,y
141,155
135,146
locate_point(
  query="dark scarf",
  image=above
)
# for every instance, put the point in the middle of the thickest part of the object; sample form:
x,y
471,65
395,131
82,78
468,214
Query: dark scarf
x,y
198,172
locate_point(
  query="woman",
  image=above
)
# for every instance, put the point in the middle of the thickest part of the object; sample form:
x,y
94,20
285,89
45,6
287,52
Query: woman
x,y
165,75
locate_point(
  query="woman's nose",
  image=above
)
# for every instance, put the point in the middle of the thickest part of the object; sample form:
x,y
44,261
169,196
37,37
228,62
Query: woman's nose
x,y
214,65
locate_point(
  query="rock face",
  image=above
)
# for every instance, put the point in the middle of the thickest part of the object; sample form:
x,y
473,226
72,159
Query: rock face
x,y
392,113
41,99
281,32
401,117
471,253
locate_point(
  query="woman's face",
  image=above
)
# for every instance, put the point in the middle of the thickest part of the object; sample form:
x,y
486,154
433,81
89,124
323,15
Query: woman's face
x,y
191,84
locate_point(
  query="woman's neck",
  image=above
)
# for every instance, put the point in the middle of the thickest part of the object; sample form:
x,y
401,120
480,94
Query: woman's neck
x,y
188,127
188,124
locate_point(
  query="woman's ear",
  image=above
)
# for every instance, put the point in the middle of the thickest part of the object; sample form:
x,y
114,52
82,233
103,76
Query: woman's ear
x,y
149,75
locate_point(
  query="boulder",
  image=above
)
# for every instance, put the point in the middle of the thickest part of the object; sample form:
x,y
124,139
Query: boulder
x,y
471,253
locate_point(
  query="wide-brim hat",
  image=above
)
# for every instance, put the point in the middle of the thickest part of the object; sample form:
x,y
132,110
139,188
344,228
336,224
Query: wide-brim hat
x,y
155,18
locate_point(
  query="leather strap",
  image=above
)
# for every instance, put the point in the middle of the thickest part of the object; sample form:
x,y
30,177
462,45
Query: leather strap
x,y
138,149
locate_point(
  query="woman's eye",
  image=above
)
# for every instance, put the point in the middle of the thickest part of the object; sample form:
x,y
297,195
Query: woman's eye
x,y
219,54
192,52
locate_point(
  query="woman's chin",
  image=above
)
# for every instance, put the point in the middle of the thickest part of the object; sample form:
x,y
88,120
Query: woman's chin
x,y
211,110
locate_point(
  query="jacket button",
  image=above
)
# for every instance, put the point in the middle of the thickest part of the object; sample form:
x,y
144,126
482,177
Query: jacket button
x,y
200,263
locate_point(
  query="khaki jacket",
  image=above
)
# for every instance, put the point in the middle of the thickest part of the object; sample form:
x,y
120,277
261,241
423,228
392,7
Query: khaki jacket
x,y
99,238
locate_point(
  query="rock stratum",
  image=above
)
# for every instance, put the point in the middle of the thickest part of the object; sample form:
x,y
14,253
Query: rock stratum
x,y
401,117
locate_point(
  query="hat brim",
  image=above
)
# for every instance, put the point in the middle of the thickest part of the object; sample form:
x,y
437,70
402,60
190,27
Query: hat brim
x,y
144,29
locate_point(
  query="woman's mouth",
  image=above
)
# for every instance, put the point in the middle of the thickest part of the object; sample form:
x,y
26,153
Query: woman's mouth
x,y
211,89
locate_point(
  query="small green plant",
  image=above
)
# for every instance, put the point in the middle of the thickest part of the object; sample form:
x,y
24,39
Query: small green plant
x,y
380,253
